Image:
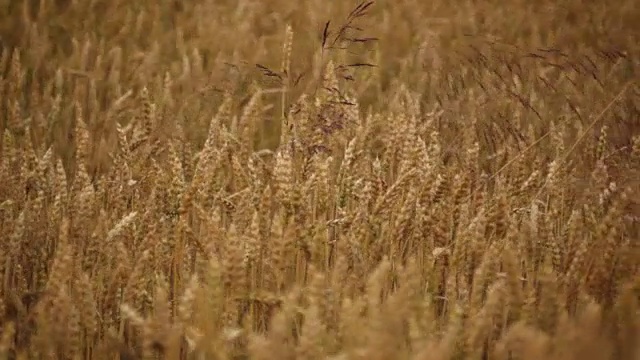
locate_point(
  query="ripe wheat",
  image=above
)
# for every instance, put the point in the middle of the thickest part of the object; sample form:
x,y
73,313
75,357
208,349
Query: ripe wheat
x,y
396,189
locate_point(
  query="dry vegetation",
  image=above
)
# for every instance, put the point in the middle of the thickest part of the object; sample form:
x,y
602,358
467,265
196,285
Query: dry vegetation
x,y
319,179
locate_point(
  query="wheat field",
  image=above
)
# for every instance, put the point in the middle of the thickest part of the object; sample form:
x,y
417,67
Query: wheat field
x,y
217,179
